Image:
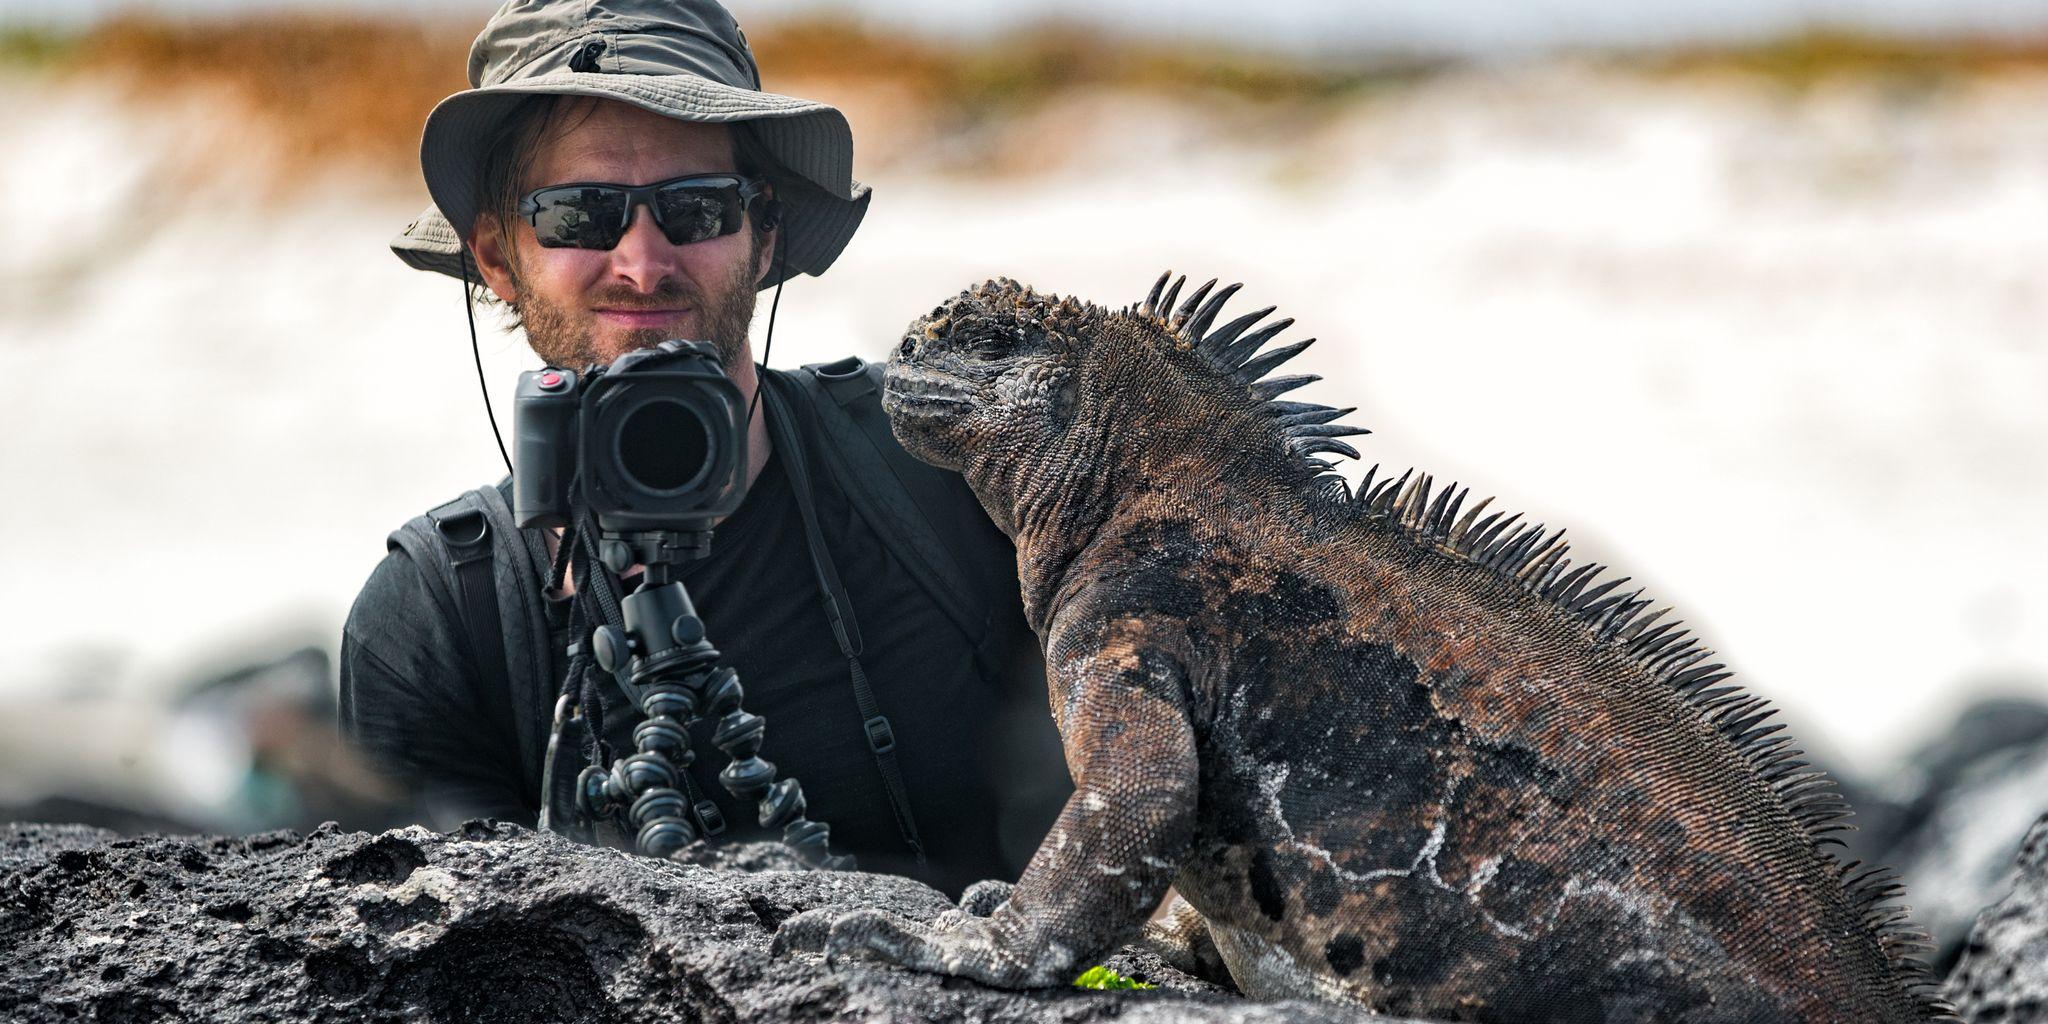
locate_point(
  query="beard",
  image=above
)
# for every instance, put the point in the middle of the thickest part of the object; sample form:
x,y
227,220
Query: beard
x,y
565,338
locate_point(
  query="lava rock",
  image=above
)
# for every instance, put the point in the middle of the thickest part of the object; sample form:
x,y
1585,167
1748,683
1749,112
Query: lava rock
x,y
2003,975
1892,810
1146,966
21,845
484,923
1956,851
73,810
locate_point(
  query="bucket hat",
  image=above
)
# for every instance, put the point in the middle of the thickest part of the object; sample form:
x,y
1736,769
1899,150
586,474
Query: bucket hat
x,y
684,59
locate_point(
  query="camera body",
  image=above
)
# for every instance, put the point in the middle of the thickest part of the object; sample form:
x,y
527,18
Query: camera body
x,y
656,441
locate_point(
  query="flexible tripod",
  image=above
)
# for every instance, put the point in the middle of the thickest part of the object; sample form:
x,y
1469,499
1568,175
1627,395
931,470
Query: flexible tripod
x,y
675,678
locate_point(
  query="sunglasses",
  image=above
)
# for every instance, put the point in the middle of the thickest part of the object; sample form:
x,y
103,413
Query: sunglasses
x,y
595,215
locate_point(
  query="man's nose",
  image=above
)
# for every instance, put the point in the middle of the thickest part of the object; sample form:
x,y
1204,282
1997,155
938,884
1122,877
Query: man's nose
x,y
644,256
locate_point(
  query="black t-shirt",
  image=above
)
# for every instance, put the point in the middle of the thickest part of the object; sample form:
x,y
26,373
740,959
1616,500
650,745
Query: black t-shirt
x,y
974,743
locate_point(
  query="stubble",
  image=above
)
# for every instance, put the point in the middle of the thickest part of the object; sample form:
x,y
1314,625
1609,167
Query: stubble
x,y
564,338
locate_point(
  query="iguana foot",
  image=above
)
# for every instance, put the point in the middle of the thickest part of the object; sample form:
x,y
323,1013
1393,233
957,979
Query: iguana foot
x,y
806,932
955,943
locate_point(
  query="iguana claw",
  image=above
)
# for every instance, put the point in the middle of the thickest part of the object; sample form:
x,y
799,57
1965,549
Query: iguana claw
x,y
803,933
954,943
983,898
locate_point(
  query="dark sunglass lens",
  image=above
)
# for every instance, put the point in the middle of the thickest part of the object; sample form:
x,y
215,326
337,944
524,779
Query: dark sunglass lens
x,y
579,218
693,213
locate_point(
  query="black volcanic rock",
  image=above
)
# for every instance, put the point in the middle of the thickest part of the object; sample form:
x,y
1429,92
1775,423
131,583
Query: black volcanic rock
x,y
1988,730
2003,975
127,821
1974,793
486,923
23,846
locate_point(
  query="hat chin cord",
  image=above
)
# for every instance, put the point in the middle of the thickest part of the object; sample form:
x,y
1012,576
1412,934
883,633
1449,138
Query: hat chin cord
x,y
476,351
469,312
768,342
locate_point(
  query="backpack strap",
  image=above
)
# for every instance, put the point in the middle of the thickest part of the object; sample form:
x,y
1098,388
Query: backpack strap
x,y
532,680
897,494
466,532
479,562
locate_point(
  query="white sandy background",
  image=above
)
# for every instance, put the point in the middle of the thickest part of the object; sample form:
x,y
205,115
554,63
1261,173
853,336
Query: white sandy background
x,y
1783,357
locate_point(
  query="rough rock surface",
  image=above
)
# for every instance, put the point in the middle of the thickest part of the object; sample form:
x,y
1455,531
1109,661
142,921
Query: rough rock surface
x,y
1977,790
486,923
1905,798
2003,975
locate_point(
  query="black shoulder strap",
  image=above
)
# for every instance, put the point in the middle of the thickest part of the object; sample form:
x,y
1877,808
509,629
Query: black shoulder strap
x,y
845,628
481,562
912,506
519,571
466,531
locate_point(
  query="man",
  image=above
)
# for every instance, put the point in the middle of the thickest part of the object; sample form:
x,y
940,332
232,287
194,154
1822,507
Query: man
x,y
867,603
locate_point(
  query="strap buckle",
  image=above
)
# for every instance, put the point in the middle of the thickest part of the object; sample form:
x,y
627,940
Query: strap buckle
x,y
881,738
846,380
465,528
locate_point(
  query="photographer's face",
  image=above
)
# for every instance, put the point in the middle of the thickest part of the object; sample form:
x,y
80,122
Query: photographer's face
x,y
582,306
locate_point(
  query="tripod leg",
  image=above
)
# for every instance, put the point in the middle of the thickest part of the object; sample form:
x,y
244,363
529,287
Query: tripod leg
x,y
780,804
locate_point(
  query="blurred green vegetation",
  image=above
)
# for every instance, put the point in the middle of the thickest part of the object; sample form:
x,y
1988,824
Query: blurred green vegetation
x,y
34,48
328,85
312,90
1024,68
1811,58
317,88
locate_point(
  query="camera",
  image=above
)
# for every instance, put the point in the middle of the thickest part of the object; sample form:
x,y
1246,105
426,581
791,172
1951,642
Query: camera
x,y
656,441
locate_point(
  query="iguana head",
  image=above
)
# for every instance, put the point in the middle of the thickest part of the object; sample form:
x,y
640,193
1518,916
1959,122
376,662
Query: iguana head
x,y
990,371
1040,400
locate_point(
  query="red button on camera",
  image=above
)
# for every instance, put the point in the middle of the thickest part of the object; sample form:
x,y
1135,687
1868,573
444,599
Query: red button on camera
x,y
551,380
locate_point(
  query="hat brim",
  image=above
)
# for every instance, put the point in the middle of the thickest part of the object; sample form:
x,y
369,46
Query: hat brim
x,y
822,205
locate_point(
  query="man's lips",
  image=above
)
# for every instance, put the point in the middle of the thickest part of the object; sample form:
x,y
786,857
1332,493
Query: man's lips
x,y
640,317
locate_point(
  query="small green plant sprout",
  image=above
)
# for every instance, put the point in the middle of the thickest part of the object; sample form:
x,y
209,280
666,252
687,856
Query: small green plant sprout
x,y
1104,978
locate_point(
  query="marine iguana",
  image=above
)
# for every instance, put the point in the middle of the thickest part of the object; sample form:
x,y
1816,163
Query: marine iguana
x,y
1391,749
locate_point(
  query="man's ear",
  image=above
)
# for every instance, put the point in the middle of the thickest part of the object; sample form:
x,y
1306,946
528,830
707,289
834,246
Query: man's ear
x,y
487,243
769,212
769,240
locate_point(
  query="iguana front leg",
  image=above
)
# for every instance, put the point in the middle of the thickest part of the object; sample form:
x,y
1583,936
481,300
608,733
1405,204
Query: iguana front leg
x,y
1108,859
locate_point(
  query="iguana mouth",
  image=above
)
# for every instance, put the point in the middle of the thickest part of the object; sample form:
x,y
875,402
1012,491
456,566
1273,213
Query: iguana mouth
x,y
920,394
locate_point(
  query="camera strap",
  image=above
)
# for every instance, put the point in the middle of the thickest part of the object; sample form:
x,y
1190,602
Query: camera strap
x,y
881,737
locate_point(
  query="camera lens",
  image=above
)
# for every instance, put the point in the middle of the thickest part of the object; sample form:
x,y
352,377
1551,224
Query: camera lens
x,y
663,445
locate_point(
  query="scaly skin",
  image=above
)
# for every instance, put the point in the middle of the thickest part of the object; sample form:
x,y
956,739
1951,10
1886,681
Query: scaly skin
x,y
1388,757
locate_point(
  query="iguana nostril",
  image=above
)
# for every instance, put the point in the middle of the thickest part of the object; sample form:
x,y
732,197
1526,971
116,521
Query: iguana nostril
x,y
908,347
